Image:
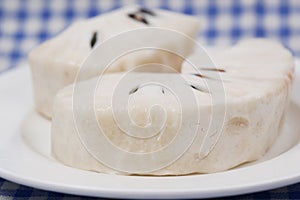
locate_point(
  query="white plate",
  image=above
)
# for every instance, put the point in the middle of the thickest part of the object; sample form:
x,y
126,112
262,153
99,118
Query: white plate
x,y
25,157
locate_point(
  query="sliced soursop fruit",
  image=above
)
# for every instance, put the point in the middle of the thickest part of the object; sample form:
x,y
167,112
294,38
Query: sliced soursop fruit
x,y
56,62
155,129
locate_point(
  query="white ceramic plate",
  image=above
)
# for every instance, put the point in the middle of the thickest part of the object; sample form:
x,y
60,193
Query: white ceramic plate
x,y
25,157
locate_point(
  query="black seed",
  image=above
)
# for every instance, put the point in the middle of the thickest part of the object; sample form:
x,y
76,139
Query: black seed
x,y
138,17
162,90
199,89
200,75
194,87
131,15
93,40
213,69
147,11
144,21
134,90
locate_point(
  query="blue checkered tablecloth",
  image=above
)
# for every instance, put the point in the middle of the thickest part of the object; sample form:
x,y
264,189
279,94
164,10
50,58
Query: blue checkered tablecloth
x,y
24,24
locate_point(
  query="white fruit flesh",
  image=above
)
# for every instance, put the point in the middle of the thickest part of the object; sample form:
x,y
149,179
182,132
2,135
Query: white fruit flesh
x,y
56,62
257,75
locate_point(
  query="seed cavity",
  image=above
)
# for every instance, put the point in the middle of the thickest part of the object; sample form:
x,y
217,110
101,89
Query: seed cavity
x,y
199,88
213,69
94,39
140,15
147,11
210,78
200,75
236,125
134,90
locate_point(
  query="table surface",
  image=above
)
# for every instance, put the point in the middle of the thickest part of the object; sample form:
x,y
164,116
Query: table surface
x,y
25,24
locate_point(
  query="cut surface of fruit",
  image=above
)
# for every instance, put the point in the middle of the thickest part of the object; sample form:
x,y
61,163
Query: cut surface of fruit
x,y
254,77
56,62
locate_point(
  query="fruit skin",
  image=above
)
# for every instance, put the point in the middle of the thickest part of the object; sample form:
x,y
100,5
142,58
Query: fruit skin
x,y
257,82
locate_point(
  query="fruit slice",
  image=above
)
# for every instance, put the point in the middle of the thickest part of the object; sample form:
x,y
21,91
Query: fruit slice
x,y
255,75
56,62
